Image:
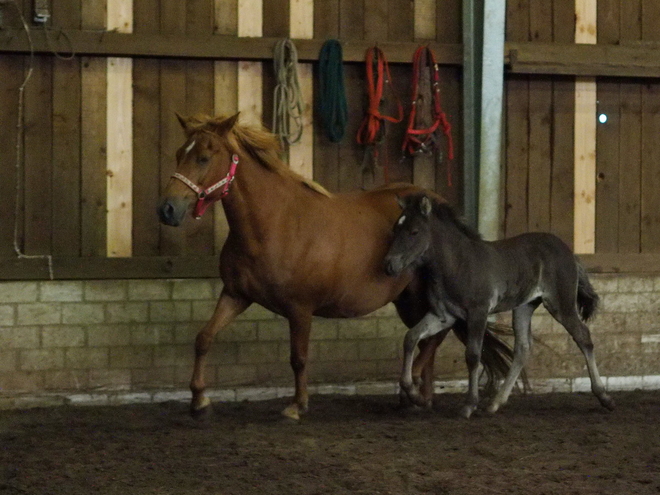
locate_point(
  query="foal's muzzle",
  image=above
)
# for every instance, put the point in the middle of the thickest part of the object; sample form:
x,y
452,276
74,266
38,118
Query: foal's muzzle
x,y
393,267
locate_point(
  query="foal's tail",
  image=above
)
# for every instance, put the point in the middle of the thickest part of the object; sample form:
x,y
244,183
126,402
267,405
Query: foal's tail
x,y
587,299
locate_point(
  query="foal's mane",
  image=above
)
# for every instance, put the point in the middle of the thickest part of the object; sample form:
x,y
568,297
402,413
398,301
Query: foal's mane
x,y
263,146
446,213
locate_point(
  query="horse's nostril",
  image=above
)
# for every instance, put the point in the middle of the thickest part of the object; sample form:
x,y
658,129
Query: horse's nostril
x,y
167,213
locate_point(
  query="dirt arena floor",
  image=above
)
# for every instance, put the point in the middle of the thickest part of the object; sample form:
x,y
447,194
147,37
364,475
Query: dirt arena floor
x,y
537,444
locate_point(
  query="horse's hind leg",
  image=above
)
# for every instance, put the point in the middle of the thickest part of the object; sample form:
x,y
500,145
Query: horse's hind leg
x,y
522,317
226,310
582,337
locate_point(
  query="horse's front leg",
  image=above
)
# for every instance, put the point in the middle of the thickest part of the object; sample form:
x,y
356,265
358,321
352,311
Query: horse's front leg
x,y
300,325
429,326
227,308
476,327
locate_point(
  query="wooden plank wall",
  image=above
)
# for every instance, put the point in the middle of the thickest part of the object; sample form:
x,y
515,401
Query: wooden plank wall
x,y
538,151
99,140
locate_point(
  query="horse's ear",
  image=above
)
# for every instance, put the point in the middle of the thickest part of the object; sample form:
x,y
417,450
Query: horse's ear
x,y
183,122
426,206
223,126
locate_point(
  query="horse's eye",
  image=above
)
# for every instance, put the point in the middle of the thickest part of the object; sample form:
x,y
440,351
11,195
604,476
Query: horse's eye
x,y
203,160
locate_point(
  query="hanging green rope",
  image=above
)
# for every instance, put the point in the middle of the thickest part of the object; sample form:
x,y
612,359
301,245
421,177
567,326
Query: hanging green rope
x,y
287,98
332,100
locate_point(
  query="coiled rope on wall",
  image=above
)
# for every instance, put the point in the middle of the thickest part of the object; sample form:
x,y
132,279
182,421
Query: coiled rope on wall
x,y
288,103
332,105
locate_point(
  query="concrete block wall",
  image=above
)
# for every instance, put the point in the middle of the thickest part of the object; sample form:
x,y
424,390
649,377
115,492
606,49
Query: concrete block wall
x,y
86,341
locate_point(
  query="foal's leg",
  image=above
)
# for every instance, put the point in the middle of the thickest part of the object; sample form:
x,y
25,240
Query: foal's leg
x,y
522,317
476,323
422,370
428,326
300,324
226,310
580,332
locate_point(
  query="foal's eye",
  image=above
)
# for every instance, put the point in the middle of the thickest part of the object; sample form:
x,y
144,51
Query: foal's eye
x,y
414,232
203,160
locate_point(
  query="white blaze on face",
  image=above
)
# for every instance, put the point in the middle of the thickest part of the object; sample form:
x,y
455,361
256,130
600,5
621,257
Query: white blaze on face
x,y
402,219
190,146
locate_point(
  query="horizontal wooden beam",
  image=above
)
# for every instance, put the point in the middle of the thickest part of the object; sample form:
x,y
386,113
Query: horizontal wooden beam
x,y
73,268
217,47
141,267
631,60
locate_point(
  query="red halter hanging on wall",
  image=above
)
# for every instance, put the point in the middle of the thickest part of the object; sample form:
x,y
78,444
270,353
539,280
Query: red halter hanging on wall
x,y
424,140
372,131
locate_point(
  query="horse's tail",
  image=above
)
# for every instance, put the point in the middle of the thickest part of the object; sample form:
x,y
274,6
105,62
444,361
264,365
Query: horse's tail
x,y
587,299
496,355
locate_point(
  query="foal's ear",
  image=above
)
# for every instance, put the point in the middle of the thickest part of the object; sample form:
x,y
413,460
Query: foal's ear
x,y
401,202
425,206
223,126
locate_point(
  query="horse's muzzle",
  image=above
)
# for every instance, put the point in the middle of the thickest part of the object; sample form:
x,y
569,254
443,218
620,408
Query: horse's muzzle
x,y
171,213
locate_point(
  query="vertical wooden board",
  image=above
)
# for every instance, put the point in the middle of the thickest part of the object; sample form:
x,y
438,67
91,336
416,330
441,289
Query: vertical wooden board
x,y
301,154
275,25
66,139
630,138
650,235
425,18
37,168
516,122
93,140
563,122
66,157
607,168
326,153
563,94
517,155
585,137
11,68
607,139
540,132
250,74
401,20
375,20
146,146
351,155
448,20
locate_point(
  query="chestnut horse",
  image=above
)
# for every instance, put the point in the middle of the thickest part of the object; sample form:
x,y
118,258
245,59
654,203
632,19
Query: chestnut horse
x,y
293,247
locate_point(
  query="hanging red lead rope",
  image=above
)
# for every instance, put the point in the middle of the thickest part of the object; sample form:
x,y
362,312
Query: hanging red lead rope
x,y
424,140
372,131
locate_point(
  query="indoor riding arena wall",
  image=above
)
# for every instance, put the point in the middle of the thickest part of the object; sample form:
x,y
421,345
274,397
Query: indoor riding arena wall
x,y
112,342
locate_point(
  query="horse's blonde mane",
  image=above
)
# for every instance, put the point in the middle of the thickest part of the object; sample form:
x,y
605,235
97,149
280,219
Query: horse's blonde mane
x,y
262,145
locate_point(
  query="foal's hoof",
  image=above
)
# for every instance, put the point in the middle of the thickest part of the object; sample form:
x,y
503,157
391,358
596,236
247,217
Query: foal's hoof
x,y
467,410
493,407
607,402
203,412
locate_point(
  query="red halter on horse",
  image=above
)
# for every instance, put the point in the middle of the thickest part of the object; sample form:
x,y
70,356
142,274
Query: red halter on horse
x,y
276,255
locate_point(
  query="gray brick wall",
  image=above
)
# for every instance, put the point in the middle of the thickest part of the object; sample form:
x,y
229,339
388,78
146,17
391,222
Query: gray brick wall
x,y
136,337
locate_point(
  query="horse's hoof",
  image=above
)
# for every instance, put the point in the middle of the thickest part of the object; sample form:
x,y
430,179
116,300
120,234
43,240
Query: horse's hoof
x,y
202,412
467,410
292,413
607,402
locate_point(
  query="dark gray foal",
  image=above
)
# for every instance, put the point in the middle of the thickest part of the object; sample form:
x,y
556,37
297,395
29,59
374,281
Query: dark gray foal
x,y
471,278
